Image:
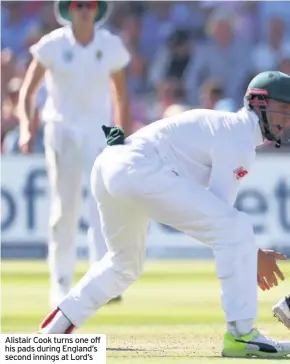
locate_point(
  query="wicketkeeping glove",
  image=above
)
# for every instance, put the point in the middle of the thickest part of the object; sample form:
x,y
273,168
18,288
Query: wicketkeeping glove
x,y
114,135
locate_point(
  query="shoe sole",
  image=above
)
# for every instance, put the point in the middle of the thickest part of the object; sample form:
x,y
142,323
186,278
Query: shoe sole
x,y
280,316
252,354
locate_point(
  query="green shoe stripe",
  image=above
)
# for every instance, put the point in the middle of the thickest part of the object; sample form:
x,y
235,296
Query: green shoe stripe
x,y
250,336
231,343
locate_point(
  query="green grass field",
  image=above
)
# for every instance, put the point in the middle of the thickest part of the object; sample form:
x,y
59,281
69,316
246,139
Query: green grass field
x,y
171,315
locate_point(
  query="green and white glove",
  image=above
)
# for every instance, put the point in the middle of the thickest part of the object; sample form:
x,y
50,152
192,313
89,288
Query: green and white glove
x,y
114,135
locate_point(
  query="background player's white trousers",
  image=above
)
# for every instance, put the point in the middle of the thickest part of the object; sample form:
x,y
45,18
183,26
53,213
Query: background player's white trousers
x,y
134,185
69,161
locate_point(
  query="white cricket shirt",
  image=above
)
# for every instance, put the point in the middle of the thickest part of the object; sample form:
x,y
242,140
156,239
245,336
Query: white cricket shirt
x,y
214,148
78,77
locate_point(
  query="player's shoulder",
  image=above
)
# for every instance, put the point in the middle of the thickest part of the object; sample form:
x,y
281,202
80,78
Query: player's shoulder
x,y
211,116
55,36
240,127
107,35
195,117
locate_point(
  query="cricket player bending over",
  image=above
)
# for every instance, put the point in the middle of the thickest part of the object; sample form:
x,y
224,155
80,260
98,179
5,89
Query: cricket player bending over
x,y
84,70
184,172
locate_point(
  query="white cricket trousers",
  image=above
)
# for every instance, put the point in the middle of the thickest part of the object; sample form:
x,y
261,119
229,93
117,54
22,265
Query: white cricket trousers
x,y
69,161
131,186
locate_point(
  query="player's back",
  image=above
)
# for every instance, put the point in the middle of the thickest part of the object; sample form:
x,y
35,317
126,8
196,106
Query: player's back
x,y
189,140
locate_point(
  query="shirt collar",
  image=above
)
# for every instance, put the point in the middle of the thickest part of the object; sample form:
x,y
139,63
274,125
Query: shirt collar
x,y
69,32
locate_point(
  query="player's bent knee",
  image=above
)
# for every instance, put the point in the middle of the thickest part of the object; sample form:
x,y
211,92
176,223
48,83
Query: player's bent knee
x,y
233,230
127,271
130,273
244,228
228,259
239,244
128,277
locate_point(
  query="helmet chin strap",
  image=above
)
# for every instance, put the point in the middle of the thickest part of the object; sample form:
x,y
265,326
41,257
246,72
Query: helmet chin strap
x,y
258,104
264,124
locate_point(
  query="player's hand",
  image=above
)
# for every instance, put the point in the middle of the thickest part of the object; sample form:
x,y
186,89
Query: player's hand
x,y
25,142
268,270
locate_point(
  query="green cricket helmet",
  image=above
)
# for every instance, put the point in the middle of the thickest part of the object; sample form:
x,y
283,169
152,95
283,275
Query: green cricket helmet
x,y
62,14
270,85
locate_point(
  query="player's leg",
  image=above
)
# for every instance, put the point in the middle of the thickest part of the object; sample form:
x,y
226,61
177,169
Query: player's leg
x,y
170,199
96,242
189,207
64,166
166,197
125,228
200,214
282,311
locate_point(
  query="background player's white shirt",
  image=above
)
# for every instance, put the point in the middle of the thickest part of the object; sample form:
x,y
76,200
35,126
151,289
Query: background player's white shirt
x,y
207,146
78,77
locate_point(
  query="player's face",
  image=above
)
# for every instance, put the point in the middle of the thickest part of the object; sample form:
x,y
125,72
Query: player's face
x,y
279,117
83,12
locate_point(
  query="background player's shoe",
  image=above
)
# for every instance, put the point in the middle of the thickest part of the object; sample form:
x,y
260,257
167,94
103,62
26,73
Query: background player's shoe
x,y
254,345
282,311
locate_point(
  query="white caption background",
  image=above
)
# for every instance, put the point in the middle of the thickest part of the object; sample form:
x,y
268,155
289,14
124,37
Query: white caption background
x,y
52,349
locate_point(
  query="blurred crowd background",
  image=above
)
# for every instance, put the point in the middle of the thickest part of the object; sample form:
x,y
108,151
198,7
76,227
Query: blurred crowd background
x,y
184,54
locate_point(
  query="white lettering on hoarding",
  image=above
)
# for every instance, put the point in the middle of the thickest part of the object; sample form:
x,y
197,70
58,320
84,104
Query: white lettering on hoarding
x,y
264,195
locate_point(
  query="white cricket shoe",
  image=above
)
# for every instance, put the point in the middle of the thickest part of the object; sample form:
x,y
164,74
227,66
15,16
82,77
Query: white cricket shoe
x,y
282,311
254,345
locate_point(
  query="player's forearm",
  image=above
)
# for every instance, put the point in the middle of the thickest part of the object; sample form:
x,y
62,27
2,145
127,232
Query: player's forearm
x,y
121,102
26,105
26,112
123,117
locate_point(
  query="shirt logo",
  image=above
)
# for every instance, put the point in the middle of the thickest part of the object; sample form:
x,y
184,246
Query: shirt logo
x,y
240,172
68,56
99,54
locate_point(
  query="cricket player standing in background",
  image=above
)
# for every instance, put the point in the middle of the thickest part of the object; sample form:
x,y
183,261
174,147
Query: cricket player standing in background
x,y
83,67
190,166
